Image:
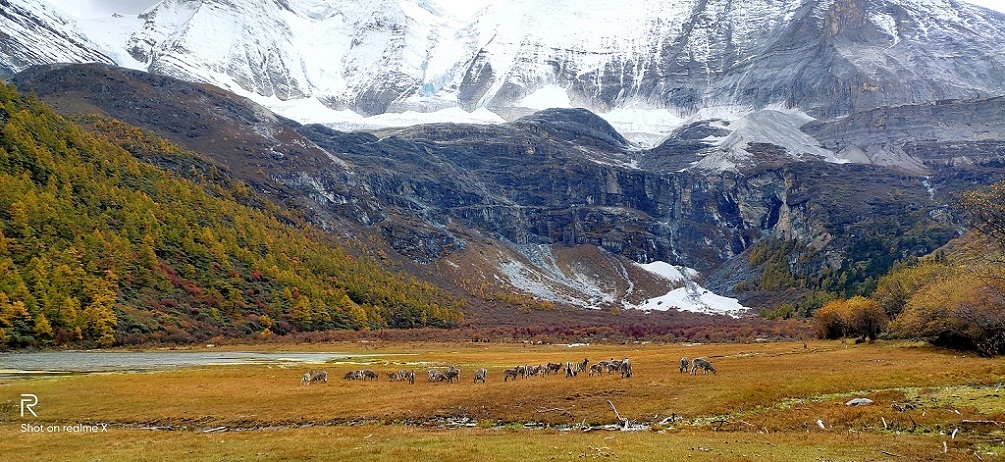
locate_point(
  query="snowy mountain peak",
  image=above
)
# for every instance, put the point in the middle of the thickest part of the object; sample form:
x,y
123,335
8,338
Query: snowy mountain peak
x,y
645,66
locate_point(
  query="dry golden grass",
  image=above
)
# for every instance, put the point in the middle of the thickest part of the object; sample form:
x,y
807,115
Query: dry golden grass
x,y
396,443
766,399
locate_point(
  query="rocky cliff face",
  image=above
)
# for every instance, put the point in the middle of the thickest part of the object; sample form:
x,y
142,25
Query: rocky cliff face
x,y
919,137
828,58
559,179
34,33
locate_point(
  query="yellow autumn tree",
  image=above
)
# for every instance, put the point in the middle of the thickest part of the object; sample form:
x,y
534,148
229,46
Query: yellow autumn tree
x,y
830,321
960,311
302,313
42,329
98,316
895,289
865,317
857,316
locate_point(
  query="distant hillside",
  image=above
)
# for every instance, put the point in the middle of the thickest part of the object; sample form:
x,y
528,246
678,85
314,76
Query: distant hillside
x,y
953,297
556,206
99,248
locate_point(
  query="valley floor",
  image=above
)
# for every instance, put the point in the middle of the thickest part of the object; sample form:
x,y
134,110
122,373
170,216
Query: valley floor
x,y
768,401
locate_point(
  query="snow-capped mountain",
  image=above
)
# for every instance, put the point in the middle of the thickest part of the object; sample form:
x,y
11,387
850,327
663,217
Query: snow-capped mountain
x,y
304,58
737,101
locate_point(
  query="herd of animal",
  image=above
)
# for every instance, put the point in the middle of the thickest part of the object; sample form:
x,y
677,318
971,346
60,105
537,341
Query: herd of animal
x,y
571,369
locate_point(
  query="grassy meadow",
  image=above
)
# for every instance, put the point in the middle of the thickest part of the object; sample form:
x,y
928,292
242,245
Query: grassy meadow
x,y
769,401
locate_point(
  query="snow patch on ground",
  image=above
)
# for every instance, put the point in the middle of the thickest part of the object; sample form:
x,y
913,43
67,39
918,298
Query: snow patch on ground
x,y
691,297
645,127
888,25
312,111
696,300
543,278
526,279
550,96
669,272
777,126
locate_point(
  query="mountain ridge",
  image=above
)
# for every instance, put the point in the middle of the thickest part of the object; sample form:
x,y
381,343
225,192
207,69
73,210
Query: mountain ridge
x,y
828,58
811,121
538,207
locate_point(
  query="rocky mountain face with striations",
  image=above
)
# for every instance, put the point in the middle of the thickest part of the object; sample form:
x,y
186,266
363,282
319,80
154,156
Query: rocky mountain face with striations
x,y
511,200
838,131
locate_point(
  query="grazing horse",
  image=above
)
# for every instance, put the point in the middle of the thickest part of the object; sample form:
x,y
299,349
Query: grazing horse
x,y
509,373
368,375
393,376
704,365
596,369
554,367
480,375
625,368
433,373
684,364
351,375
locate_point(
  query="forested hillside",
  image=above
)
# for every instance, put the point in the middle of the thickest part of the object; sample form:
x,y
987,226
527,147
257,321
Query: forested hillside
x,y
954,297
99,248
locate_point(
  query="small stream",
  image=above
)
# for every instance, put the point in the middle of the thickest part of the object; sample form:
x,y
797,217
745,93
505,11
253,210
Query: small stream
x,y
57,362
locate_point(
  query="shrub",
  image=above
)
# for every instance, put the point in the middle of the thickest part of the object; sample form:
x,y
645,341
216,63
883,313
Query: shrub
x,y
961,311
866,317
857,316
829,321
896,288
